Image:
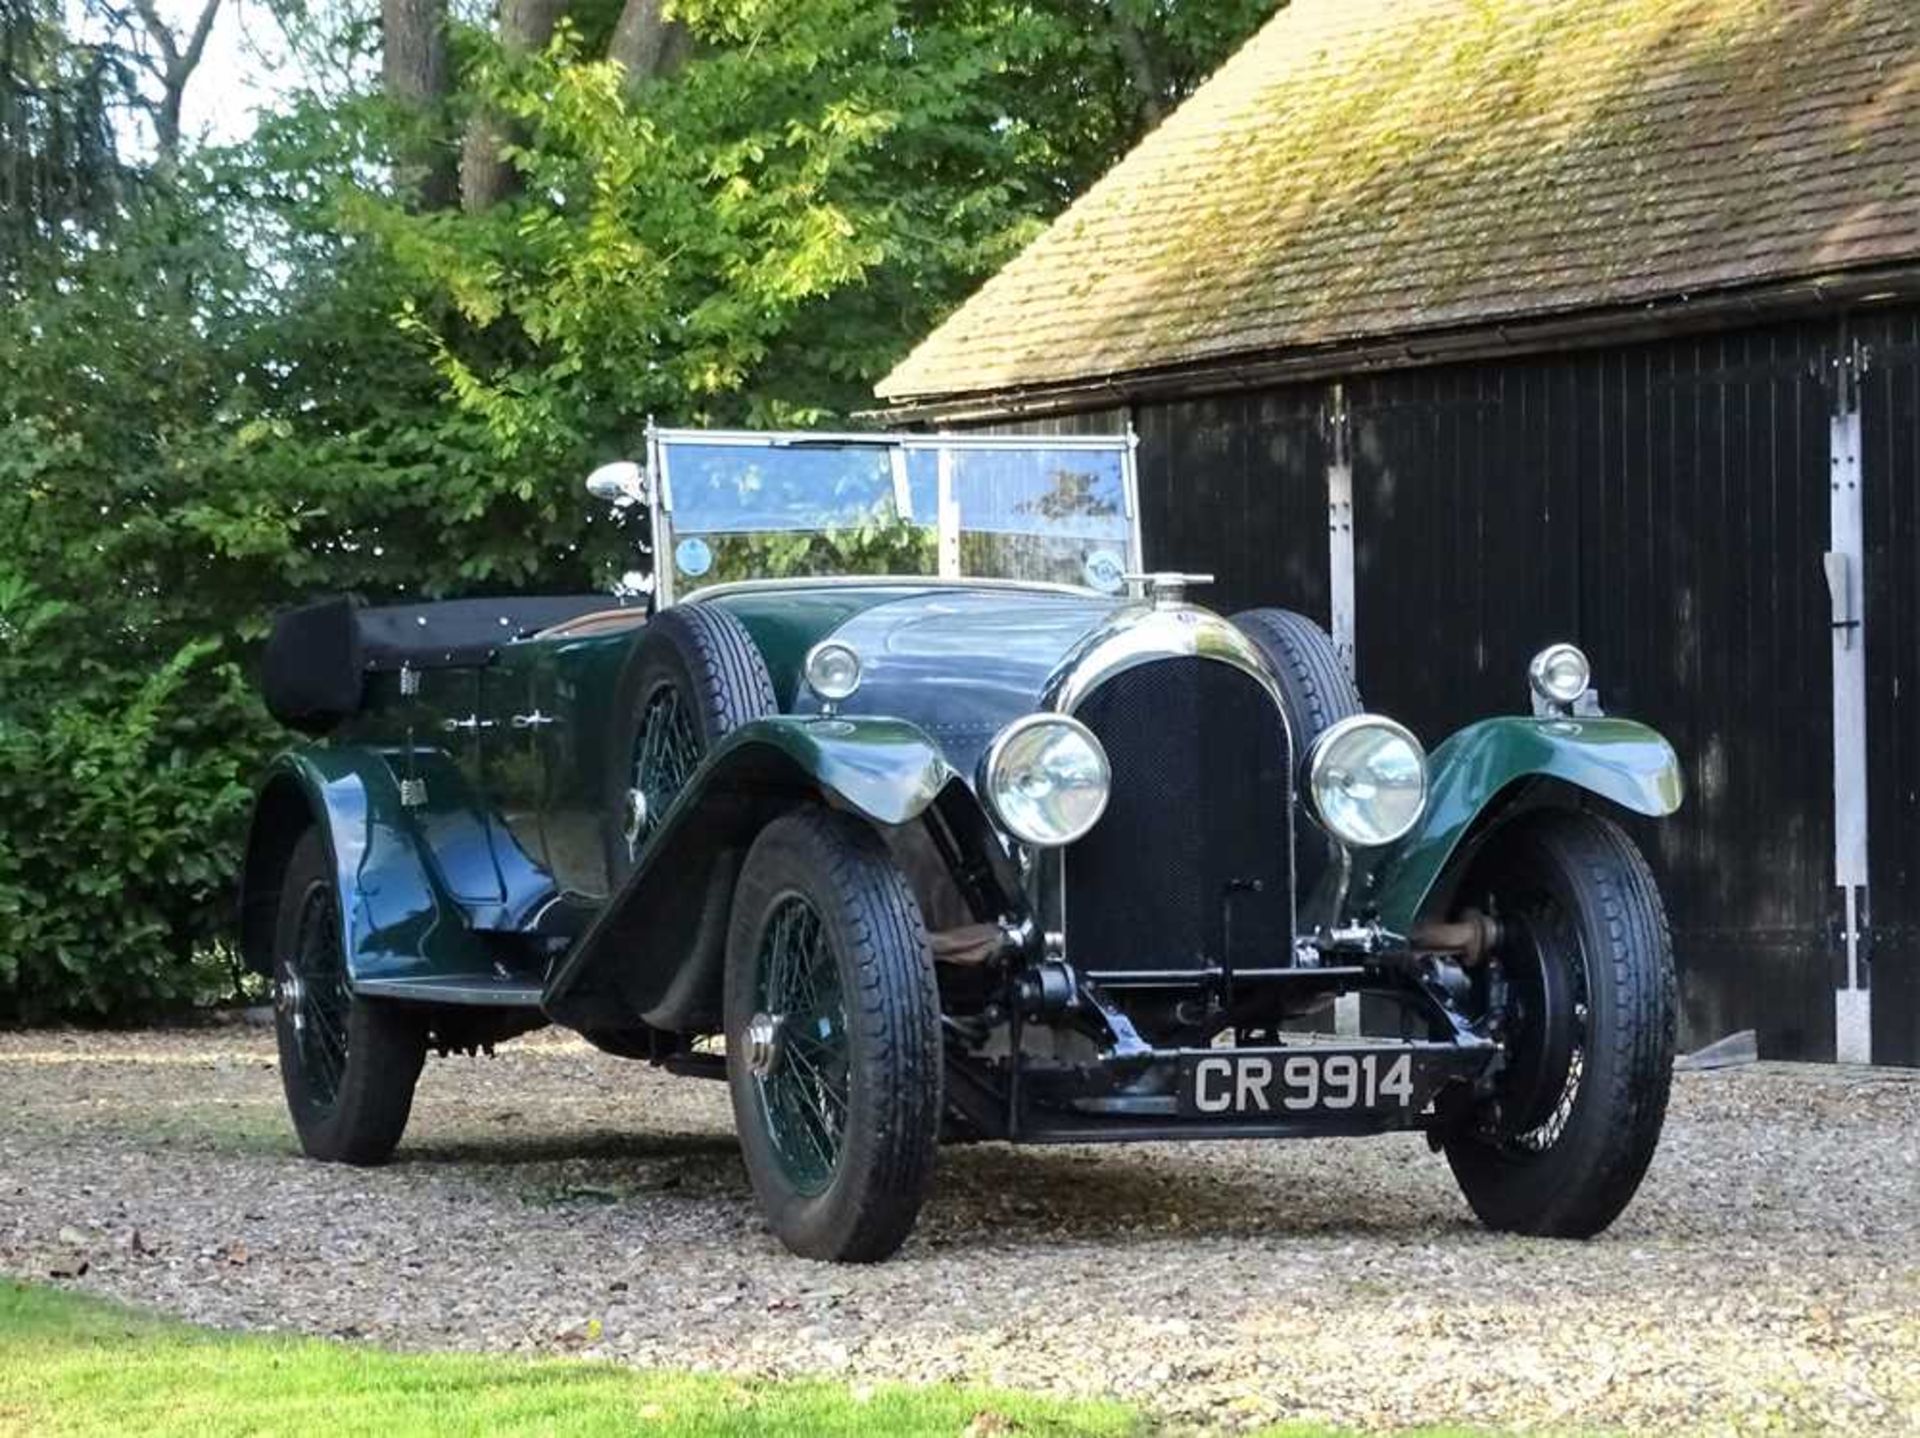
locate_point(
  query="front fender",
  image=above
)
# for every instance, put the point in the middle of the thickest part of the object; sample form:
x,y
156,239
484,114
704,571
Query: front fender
x,y
1476,771
885,769
396,919
656,951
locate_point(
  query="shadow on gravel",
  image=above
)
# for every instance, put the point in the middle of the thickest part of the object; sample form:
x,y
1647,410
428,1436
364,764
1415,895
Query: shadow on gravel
x,y
601,1168
1021,1194
1016,1194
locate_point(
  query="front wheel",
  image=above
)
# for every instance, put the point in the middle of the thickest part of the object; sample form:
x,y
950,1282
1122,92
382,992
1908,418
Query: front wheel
x,y
1581,986
833,1038
348,1064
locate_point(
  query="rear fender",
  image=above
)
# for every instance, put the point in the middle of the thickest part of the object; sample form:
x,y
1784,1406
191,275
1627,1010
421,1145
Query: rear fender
x,y
397,920
656,951
1483,771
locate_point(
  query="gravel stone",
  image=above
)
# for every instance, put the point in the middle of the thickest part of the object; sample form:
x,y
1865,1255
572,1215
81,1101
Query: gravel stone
x,y
554,1200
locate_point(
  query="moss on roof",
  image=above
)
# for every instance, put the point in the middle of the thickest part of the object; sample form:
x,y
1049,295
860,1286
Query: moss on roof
x,y
1365,168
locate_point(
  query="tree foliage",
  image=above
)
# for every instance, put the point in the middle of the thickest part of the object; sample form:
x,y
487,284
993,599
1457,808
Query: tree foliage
x,y
300,364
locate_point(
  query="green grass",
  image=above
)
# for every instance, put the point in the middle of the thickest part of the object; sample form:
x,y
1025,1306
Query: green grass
x,y
76,1365
71,1365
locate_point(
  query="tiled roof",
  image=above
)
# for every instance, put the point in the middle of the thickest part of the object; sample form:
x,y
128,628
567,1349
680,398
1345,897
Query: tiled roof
x,y
1369,168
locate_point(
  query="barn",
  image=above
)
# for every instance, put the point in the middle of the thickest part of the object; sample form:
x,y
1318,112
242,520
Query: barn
x,y
1466,325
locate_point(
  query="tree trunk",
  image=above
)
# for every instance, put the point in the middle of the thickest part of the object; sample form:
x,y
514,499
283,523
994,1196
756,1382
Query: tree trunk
x,y
1142,71
173,68
646,42
486,178
413,69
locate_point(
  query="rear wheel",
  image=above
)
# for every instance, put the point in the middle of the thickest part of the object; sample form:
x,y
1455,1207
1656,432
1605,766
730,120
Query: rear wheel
x,y
349,1065
1581,985
833,1038
696,676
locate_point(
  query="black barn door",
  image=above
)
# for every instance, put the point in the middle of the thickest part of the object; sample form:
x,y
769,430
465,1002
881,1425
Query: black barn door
x,y
1666,508
1890,467
1236,486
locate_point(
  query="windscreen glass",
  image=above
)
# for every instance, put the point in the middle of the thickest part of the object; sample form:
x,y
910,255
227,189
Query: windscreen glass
x,y
798,508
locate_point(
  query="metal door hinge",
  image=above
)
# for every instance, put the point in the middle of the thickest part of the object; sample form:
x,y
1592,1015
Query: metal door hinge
x,y
1842,374
469,724
535,720
413,793
409,681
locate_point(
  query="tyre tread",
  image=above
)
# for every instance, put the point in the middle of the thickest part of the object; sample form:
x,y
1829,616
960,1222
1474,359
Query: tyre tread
x,y
895,1004
1577,1188
1318,688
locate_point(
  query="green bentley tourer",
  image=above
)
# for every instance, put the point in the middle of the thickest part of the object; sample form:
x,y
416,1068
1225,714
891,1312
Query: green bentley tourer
x,y
895,793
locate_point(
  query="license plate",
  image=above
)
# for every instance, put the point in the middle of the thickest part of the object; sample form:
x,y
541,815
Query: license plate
x,y
1240,1084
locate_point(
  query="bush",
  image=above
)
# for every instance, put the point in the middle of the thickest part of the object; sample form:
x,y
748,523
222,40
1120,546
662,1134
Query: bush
x,y
122,794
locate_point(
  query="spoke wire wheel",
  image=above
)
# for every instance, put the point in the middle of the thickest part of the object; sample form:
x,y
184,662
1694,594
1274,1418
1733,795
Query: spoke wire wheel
x,y
834,1052
665,753
802,1075
348,1065
692,677
313,999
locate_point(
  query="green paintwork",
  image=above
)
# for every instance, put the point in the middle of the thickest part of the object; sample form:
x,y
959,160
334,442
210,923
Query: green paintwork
x,y
399,919
885,769
646,943
1616,759
786,622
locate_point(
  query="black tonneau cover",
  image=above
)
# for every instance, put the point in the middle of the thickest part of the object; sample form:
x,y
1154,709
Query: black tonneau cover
x,y
318,657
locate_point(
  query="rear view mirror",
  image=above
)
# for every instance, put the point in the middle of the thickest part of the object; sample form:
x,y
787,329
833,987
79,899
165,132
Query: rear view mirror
x,y
622,482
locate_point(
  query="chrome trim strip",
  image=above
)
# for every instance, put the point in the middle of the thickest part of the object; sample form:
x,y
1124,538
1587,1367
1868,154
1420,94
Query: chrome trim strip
x,y
1143,633
479,993
883,581
890,439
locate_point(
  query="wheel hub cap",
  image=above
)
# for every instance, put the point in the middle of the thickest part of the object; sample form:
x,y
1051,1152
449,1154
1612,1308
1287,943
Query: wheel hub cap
x,y
635,823
291,997
764,1035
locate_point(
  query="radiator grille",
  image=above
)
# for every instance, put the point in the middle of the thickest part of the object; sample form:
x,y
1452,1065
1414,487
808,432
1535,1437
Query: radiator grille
x,y
1200,805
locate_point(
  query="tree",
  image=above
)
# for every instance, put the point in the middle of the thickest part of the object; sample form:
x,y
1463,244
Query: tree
x,y
60,169
300,366
415,75
172,65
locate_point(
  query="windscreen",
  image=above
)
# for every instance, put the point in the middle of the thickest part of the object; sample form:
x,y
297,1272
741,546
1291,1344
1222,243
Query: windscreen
x,y
781,508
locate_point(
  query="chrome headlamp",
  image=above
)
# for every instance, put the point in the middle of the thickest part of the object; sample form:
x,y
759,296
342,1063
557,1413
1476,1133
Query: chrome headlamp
x,y
1368,779
1045,778
832,671
1560,675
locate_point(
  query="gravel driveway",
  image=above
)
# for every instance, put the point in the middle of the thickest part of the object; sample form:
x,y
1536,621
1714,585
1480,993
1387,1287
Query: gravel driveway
x,y
554,1200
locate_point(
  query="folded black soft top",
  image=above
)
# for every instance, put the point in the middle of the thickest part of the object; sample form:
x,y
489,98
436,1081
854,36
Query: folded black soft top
x,y
317,659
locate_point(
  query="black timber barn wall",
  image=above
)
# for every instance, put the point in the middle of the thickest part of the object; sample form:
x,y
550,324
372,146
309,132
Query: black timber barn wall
x,y
1666,506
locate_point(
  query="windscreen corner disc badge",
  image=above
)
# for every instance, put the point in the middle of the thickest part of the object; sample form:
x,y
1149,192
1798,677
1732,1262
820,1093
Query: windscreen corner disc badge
x,y
1104,571
693,557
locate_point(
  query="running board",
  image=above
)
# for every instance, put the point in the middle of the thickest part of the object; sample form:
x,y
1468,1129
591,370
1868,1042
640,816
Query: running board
x,y
481,990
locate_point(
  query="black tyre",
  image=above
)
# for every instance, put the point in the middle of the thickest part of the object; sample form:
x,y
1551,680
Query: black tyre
x,y
1584,975
833,1038
349,1065
1318,693
1315,685
695,676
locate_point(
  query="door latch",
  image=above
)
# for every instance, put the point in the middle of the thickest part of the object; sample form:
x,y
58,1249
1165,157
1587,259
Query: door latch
x,y
1839,569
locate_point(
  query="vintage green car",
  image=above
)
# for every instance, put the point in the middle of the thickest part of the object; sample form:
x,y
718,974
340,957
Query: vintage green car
x,y
898,797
